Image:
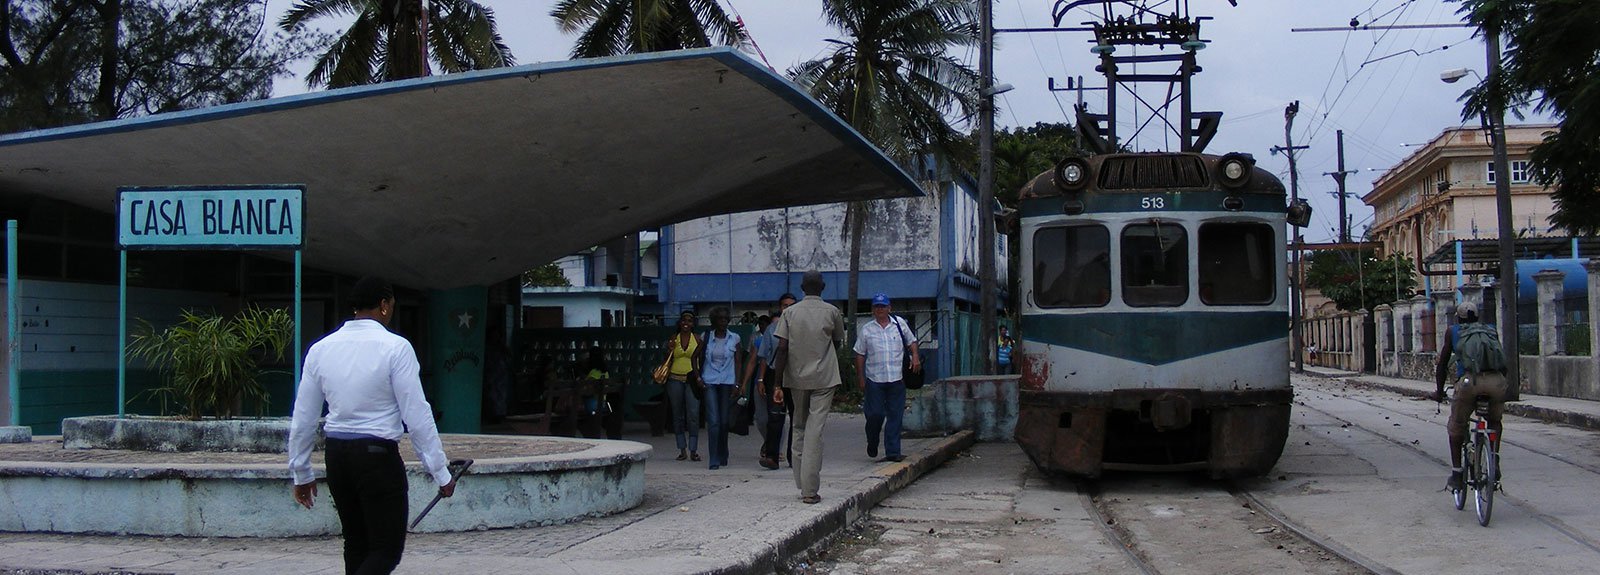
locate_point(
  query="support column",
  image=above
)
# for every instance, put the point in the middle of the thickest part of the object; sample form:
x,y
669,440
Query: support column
x,y
1593,267
1548,283
1419,305
1444,306
1472,292
1384,347
1358,344
455,356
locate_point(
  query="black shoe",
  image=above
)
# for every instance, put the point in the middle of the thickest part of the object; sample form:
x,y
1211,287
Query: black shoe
x,y
1455,483
872,449
895,458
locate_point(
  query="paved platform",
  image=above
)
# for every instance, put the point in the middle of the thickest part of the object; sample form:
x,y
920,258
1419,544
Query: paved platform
x,y
739,519
1575,412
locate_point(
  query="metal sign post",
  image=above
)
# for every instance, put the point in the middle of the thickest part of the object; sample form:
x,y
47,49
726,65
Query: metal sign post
x,y
206,218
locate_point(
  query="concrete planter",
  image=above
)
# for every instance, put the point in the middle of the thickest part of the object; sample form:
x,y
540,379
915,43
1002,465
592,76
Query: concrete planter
x,y
136,433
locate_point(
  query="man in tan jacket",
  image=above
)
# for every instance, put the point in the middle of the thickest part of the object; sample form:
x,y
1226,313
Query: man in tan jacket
x,y
808,362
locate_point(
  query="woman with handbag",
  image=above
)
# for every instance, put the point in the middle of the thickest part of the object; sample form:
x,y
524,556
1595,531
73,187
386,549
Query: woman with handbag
x,y
682,351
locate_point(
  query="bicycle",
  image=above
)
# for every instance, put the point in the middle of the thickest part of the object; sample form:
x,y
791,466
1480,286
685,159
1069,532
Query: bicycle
x,y
1480,458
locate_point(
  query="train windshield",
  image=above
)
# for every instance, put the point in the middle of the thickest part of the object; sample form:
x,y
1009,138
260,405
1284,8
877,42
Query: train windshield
x,y
1236,264
1072,266
1155,264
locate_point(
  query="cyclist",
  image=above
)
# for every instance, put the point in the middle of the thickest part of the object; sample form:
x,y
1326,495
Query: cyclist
x,y
1490,383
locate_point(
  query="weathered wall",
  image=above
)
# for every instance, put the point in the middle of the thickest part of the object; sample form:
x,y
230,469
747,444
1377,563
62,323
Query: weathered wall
x,y
901,234
984,404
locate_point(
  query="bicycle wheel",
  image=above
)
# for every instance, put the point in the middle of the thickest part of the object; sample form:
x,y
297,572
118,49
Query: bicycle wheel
x,y
1483,488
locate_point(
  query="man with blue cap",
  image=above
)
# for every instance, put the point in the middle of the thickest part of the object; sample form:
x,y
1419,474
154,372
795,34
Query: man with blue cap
x,y
881,349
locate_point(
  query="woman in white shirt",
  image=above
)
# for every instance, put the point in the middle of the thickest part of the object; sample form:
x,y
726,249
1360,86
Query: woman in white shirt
x,y
368,376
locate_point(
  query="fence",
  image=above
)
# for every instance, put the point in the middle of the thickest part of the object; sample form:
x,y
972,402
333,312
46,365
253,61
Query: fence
x,y
631,353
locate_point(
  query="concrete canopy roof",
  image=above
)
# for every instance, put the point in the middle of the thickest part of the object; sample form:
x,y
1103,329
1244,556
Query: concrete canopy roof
x,y
469,179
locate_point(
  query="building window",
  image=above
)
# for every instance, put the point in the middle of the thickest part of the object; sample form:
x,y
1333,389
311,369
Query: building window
x,y
1520,172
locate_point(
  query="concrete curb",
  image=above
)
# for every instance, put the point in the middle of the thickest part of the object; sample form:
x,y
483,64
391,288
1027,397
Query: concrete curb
x,y
1517,408
841,513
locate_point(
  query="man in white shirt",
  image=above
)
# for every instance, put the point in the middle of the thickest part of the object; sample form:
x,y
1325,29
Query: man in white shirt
x,y
369,378
880,354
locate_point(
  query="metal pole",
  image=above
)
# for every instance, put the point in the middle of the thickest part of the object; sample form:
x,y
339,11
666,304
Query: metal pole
x,y
1294,195
986,263
13,343
295,385
1502,195
122,335
1344,225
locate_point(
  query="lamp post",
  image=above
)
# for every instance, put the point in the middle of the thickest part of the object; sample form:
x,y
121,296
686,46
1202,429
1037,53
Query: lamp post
x,y
1495,117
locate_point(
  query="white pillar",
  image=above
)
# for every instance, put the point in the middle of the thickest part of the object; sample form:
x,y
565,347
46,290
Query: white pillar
x,y
1384,332
1548,283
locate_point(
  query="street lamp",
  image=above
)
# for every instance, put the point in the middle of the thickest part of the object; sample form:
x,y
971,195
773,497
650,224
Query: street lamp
x,y
1494,119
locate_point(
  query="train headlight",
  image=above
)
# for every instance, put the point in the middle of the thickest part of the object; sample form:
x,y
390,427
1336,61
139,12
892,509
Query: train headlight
x,y
1072,174
1235,169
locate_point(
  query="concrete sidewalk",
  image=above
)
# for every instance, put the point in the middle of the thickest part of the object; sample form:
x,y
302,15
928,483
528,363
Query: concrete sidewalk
x,y
1575,412
739,519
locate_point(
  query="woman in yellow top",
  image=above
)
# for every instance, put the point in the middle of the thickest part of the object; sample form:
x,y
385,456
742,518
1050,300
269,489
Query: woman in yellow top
x,y
683,350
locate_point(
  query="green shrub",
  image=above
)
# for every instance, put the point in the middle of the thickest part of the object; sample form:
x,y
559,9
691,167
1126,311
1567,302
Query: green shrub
x,y
209,364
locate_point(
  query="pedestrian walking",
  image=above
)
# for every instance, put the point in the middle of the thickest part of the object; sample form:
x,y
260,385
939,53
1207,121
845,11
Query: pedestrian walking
x,y
807,360
683,390
773,410
719,352
369,379
881,348
1003,349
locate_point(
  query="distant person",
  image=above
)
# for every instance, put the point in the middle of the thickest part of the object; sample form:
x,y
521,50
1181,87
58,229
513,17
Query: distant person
x,y
772,409
881,350
1479,371
1003,349
368,377
683,349
808,364
719,352
599,408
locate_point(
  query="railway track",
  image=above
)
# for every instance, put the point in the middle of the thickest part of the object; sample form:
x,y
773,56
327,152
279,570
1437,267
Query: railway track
x,y
1169,525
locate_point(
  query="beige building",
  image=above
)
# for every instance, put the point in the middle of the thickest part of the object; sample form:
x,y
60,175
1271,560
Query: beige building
x,y
1445,191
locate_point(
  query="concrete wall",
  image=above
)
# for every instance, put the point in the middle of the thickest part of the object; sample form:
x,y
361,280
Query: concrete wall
x,y
69,344
985,405
1551,372
902,234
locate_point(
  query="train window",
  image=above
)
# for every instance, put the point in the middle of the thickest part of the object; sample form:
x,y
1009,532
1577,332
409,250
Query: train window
x,y
1155,264
1237,266
1072,266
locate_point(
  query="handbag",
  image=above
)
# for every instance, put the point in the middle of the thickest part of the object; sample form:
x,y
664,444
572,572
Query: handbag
x,y
662,371
913,379
743,416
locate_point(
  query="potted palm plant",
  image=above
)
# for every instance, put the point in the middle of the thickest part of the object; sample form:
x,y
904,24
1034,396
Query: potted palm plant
x,y
210,368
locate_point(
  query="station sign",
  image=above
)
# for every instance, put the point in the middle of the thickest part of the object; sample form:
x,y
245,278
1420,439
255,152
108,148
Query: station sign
x,y
211,217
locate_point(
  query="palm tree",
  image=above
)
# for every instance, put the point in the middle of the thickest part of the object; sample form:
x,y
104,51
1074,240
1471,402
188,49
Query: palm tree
x,y
613,27
397,39
892,80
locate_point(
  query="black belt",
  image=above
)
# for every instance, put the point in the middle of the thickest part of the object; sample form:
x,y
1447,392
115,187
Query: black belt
x,y
369,444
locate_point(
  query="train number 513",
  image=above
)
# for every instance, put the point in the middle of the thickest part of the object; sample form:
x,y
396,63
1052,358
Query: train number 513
x,y
1153,203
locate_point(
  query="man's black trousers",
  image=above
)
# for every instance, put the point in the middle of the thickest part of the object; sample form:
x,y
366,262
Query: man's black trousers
x,y
368,483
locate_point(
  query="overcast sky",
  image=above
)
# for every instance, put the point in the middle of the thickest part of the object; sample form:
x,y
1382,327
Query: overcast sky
x,y
1381,88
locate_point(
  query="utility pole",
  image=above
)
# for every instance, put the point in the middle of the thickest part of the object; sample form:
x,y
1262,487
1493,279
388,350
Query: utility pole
x,y
1338,177
1502,195
986,271
1288,148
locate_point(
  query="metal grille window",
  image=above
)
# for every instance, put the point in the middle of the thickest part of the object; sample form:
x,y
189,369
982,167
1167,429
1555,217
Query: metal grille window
x,y
1159,171
1072,266
1155,264
1236,264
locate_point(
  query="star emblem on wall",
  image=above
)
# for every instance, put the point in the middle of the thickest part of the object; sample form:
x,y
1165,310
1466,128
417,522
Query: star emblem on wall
x,y
464,319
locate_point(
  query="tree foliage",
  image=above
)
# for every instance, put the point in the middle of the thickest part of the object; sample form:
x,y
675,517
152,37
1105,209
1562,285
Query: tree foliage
x,y
1356,281
615,27
398,39
1020,154
65,62
892,78
1552,62
548,275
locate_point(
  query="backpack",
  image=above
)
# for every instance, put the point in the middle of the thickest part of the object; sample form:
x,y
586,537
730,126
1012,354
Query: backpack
x,y
1477,349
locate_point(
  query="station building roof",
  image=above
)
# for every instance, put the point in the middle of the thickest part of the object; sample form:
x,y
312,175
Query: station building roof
x,y
468,179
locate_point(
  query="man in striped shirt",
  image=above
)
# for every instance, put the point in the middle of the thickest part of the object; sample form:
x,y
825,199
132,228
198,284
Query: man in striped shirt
x,y
880,354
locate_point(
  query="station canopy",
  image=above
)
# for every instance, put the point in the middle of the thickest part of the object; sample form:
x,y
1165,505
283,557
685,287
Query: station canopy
x,y
471,178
